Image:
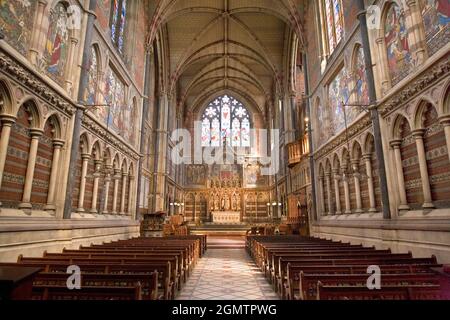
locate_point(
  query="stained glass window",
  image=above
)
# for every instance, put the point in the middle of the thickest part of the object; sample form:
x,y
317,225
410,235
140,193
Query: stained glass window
x,y
334,23
225,122
118,20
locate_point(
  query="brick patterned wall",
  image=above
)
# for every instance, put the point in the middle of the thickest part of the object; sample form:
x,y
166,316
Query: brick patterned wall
x,y
411,169
376,181
43,167
16,161
365,201
89,186
76,189
111,196
437,159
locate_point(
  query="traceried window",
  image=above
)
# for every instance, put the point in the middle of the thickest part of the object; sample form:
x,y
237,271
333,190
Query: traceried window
x,y
118,20
334,23
225,122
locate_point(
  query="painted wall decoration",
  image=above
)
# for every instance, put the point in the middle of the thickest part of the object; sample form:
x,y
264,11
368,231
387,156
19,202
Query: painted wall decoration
x,y
226,122
331,117
16,23
93,80
56,46
361,89
397,44
121,115
436,20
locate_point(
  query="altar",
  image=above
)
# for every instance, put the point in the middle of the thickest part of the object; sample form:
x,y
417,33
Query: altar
x,y
226,217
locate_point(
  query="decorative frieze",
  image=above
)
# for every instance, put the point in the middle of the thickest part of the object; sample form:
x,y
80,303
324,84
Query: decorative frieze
x,y
35,85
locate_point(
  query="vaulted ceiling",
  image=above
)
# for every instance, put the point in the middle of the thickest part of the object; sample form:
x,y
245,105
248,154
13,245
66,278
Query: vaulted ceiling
x,y
241,46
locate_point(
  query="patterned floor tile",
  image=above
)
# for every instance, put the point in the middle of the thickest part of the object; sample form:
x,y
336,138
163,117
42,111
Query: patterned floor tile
x,y
226,274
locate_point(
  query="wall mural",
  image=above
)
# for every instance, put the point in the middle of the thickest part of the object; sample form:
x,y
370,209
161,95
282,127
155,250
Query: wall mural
x,y
436,20
16,22
331,117
120,116
196,175
397,45
92,87
56,46
361,89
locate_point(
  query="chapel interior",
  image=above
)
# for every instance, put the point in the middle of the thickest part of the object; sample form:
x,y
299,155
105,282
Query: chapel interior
x,y
149,140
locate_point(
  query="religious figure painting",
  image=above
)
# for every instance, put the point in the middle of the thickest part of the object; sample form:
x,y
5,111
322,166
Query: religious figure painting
x,y
16,22
436,20
361,90
397,44
56,48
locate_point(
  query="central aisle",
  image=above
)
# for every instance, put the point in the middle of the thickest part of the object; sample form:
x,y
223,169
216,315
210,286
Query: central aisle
x,y
226,274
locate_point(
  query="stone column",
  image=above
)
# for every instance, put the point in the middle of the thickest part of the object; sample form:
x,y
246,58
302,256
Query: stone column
x,y
161,152
124,190
336,192
348,209
7,122
321,196
419,39
84,167
330,201
445,121
26,198
130,195
70,62
368,161
57,145
382,58
116,190
97,176
355,164
107,185
395,144
38,33
418,135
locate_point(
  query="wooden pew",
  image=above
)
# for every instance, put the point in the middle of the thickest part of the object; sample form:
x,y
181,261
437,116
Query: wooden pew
x,y
409,292
147,281
292,283
57,292
308,282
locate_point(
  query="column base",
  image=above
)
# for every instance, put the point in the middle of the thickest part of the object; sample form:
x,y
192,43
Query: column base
x,y
404,207
428,205
95,211
25,205
372,210
359,211
80,210
337,213
348,212
50,207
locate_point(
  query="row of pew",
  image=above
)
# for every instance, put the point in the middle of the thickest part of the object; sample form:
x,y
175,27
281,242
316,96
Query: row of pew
x,y
134,269
305,268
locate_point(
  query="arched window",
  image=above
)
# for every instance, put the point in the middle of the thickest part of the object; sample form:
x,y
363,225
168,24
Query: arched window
x,y
334,23
118,21
225,122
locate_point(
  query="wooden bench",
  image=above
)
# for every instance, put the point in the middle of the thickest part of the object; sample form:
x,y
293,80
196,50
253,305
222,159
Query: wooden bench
x,y
55,292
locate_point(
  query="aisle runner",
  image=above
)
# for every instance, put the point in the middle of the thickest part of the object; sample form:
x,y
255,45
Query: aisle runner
x,y
227,274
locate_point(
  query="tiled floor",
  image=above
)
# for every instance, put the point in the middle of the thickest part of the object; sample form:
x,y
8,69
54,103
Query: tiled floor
x,y
227,274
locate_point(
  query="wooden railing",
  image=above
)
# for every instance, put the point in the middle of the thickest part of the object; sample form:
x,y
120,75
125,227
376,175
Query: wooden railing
x,y
297,150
